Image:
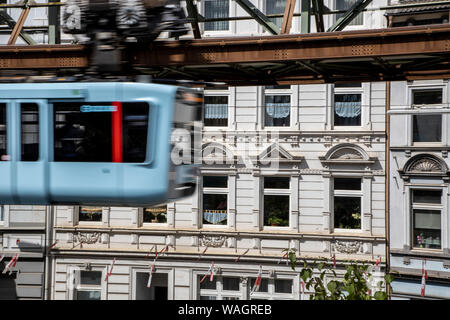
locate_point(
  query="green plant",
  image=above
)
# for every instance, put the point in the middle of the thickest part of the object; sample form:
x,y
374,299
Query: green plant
x,y
355,285
275,221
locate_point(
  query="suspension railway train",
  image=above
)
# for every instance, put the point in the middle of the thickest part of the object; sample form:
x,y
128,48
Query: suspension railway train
x,y
95,143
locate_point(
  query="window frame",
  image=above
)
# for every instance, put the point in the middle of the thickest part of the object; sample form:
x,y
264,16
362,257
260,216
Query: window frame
x,y
74,282
155,224
426,206
343,91
212,33
348,193
77,213
212,190
349,26
278,92
276,192
218,93
170,278
38,104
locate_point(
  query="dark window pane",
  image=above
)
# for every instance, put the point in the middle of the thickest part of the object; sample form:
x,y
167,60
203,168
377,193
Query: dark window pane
x,y
348,85
427,128
277,111
278,87
89,295
347,212
263,287
427,228
276,182
3,150
91,278
427,196
215,209
216,111
135,129
215,181
347,183
275,7
347,109
30,131
276,210
216,9
206,284
427,96
283,286
208,298
155,214
230,283
345,5
82,135
90,214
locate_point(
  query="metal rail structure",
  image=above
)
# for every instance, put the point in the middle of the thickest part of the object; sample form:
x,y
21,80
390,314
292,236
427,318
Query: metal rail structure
x,y
404,53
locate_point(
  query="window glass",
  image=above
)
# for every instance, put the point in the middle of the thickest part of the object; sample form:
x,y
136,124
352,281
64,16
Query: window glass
x,y
276,210
345,5
215,181
276,7
206,284
3,150
276,182
427,196
216,111
427,228
278,87
348,85
88,295
432,96
215,209
283,286
217,9
263,287
230,283
90,214
91,278
277,111
347,183
135,129
347,109
155,214
347,212
208,298
427,128
29,131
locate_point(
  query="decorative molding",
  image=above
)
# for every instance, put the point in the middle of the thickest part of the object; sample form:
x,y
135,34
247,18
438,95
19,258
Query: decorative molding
x,y
212,241
87,238
349,247
427,165
346,153
424,165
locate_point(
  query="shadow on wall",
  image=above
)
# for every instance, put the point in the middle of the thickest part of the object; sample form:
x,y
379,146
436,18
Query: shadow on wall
x,y
8,289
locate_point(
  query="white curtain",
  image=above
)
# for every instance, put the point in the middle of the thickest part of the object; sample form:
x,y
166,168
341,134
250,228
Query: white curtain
x,y
217,9
216,111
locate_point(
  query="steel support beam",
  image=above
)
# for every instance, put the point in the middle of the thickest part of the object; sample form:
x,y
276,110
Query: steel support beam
x,y
193,14
254,12
19,25
287,17
5,17
318,10
348,17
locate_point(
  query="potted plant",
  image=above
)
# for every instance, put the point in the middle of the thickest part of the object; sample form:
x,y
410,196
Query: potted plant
x,y
275,221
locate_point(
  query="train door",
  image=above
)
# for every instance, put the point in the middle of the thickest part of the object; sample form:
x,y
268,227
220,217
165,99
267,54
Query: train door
x,y
82,170
30,151
6,145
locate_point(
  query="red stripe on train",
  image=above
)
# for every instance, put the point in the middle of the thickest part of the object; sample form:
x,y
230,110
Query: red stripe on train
x,y
117,143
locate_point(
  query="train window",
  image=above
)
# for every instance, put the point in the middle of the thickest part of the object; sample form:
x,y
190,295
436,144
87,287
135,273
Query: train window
x,y
30,131
3,150
135,127
84,131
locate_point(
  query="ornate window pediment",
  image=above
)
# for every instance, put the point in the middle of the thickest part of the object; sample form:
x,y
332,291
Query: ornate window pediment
x,y
278,153
216,153
346,154
424,165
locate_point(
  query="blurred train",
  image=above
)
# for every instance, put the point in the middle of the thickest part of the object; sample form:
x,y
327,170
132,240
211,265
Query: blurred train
x,y
96,143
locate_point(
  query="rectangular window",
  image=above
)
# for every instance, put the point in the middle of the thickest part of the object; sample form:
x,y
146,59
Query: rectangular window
x,y
345,5
347,203
277,111
276,201
427,128
426,211
3,150
92,214
89,287
347,109
217,9
29,131
83,131
276,7
215,200
426,96
283,286
221,288
216,111
155,214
